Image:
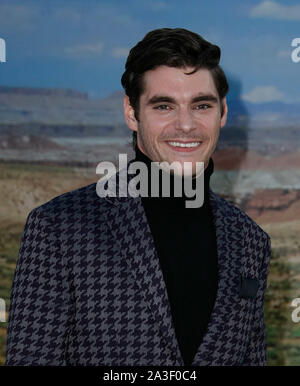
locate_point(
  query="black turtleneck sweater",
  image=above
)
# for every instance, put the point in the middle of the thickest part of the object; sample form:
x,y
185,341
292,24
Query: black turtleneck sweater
x,y
185,241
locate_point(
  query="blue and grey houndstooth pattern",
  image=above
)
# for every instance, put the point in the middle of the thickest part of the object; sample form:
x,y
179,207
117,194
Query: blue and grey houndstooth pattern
x,y
88,288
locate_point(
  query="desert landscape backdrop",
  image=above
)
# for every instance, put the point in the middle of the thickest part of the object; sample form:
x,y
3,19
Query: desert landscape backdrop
x,y
51,141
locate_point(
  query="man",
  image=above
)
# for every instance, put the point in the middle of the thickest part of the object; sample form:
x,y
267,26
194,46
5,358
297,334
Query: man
x,y
146,280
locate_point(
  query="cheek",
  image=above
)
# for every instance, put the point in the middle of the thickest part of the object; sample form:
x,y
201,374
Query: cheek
x,y
210,124
207,118
153,126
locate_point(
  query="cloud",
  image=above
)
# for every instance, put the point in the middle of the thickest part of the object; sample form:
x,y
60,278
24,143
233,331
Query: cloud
x,y
111,16
262,94
17,17
84,50
120,52
99,14
274,10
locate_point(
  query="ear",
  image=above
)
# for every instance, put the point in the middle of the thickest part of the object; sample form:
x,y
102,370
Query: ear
x,y
129,114
225,112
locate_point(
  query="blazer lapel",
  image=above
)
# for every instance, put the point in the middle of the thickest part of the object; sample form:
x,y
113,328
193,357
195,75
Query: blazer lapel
x,y
213,350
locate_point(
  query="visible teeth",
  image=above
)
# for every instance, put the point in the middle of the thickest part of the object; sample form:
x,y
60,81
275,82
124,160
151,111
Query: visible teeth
x,y
180,144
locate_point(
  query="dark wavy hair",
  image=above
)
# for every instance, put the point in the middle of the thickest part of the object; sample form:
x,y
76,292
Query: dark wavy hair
x,y
173,47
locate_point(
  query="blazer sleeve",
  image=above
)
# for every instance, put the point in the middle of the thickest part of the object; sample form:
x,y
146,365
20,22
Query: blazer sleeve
x,y
39,311
256,350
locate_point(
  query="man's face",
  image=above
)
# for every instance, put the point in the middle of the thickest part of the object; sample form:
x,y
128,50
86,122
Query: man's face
x,y
176,111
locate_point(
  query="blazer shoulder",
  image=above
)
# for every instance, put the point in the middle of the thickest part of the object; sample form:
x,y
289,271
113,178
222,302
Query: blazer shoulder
x,y
248,223
72,202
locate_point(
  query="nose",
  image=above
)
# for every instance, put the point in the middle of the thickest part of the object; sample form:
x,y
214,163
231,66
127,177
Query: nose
x,y
184,120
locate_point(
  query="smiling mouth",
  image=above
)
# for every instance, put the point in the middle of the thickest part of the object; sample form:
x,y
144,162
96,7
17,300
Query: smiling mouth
x,y
184,146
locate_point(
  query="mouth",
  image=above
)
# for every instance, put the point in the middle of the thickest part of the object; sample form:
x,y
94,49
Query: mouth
x,y
184,146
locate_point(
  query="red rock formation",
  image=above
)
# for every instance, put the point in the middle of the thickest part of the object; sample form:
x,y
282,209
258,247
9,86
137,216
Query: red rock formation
x,y
267,206
234,158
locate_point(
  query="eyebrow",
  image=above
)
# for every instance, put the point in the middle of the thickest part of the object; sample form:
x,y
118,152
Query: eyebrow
x,y
198,98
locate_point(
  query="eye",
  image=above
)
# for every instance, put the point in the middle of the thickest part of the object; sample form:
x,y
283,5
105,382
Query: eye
x,y
162,107
203,106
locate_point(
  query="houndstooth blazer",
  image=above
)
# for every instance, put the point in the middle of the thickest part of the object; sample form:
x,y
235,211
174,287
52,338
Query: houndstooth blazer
x,y
88,288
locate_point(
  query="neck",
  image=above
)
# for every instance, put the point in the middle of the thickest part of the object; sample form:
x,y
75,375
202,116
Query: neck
x,y
172,201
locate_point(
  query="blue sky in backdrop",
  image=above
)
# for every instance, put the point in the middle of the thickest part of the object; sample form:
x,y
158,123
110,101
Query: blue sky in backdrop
x,y
83,44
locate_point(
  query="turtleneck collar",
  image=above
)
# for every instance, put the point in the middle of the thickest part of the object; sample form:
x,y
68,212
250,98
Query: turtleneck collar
x,y
174,203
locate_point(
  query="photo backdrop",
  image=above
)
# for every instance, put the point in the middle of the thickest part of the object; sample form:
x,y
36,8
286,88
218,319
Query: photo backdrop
x,y
61,114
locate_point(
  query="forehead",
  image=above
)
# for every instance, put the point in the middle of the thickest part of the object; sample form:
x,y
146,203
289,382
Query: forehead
x,y
173,81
